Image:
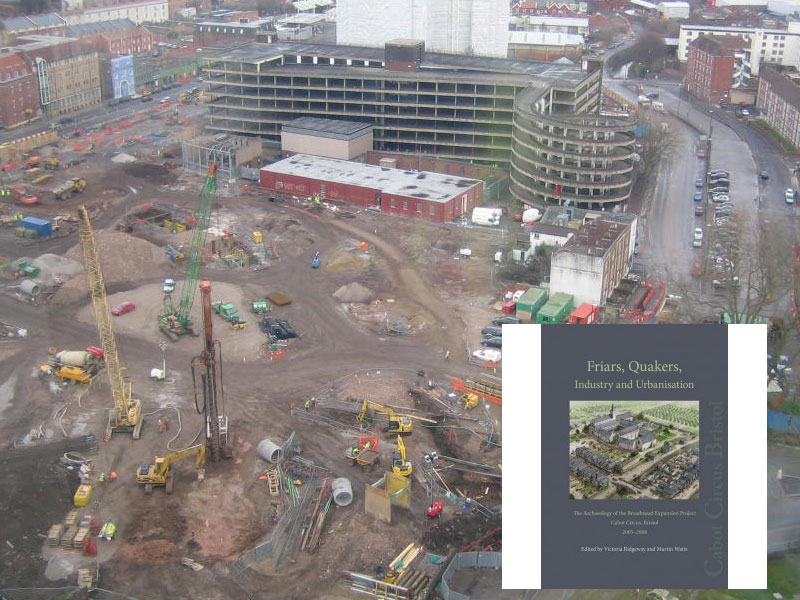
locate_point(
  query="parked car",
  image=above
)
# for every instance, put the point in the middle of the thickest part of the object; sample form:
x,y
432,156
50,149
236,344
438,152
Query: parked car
x,y
494,331
720,197
653,95
719,172
788,195
701,154
699,210
764,175
169,286
698,183
492,341
489,354
505,321
724,104
698,196
123,308
697,239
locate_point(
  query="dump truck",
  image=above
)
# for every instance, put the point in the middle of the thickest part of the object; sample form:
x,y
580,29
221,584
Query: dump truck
x,y
52,164
228,312
63,191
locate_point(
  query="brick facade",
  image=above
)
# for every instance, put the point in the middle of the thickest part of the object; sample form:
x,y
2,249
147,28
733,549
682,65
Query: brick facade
x,y
18,92
779,102
710,67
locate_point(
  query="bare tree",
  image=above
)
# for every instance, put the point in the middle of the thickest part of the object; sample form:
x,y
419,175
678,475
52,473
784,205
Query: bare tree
x,y
746,275
647,54
658,142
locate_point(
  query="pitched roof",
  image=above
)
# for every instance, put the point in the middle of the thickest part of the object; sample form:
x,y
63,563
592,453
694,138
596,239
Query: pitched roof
x,y
719,45
33,22
89,28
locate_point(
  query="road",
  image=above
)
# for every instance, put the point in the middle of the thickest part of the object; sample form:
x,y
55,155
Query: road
x,y
734,146
100,113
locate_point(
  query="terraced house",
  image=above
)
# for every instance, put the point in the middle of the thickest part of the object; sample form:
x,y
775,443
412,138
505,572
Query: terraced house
x,y
540,120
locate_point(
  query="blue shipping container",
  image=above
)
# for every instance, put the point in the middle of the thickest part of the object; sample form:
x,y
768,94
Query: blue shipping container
x,y
40,226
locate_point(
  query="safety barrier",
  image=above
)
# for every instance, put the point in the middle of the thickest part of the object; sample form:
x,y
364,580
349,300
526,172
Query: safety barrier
x,y
479,560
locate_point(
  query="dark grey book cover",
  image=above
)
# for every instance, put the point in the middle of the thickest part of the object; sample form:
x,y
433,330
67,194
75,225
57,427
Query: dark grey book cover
x,y
634,461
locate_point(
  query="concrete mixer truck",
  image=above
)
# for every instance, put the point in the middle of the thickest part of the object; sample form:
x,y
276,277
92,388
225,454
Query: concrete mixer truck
x,y
78,366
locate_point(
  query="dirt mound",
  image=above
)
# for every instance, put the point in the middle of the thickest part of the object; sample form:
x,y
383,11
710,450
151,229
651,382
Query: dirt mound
x,y
147,171
354,292
123,258
286,232
154,552
346,262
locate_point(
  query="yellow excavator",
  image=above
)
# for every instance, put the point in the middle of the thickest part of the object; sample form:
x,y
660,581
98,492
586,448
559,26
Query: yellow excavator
x,y
401,466
398,424
160,473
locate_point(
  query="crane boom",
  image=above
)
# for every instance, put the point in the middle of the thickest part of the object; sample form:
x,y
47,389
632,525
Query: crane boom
x,y
127,412
177,321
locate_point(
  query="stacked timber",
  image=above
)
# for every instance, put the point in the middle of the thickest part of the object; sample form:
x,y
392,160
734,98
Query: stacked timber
x,y
414,581
71,518
79,541
55,534
66,539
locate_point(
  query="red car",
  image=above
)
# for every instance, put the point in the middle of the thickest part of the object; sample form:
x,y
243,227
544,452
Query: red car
x,y
123,308
701,154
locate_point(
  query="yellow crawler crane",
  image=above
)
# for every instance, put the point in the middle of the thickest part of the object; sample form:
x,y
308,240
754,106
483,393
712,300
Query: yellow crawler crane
x,y
127,412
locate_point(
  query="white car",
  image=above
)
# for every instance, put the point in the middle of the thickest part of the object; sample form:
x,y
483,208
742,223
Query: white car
x,y
169,286
720,198
697,242
789,196
489,354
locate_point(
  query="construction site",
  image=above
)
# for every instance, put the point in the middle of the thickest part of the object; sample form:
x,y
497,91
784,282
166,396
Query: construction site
x,y
209,392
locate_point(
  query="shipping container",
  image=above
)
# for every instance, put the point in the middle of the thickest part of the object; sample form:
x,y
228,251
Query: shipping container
x,y
509,307
40,226
585,314
530,302
557,308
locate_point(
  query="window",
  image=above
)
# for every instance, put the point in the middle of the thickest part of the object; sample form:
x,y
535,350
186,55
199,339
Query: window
x,y
419,207
405,204
431,209
392,202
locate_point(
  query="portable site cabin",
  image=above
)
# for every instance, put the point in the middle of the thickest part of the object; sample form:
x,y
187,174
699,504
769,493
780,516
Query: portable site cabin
x,y
557,308
529,304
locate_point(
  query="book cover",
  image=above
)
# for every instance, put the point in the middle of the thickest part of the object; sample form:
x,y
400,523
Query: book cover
x,y
632,431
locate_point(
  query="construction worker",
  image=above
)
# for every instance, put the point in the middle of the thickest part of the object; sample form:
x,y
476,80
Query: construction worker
x,y
291,407
166,423
447,355
113,476
102,479
308,405
160,426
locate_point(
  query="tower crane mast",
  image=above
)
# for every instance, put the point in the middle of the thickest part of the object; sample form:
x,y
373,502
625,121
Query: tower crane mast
x,y
176,321
127,412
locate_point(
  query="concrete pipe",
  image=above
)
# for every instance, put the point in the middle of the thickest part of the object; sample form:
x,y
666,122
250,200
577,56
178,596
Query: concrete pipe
x,y
342,491
269,451
30,287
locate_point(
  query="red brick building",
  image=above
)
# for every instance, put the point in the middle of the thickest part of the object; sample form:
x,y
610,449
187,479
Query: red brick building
x,y
19,96
430,196
120,36
779,101
710,66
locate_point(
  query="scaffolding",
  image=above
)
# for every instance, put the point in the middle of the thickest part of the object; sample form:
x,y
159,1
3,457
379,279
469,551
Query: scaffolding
x,y
228,151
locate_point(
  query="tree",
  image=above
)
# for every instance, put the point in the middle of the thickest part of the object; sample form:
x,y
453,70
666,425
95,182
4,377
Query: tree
x,y
533,271
647,55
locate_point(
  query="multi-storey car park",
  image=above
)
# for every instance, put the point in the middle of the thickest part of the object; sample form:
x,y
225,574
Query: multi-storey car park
x,y
450,106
